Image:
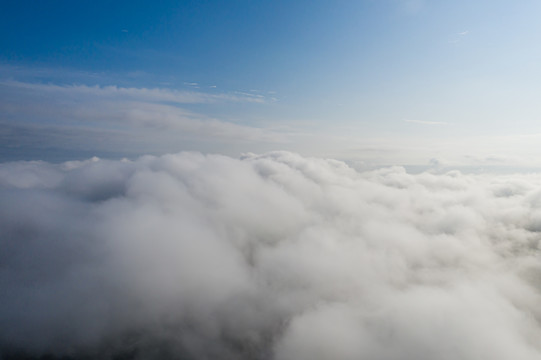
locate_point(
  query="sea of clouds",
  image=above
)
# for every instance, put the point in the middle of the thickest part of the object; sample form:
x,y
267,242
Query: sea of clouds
x,y
273,256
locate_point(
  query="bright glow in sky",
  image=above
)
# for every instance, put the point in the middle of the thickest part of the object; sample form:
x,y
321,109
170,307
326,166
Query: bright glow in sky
x,y
375,82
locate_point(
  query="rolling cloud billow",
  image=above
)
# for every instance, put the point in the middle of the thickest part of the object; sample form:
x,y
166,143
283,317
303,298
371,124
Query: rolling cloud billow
x,y
272,256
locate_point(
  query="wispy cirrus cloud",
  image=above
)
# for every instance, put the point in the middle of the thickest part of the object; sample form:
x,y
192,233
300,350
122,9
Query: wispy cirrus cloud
x,y
425,122
146,94
39,117
456,39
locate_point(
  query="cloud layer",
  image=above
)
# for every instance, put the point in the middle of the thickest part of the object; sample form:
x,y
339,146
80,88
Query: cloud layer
x,y
48,119
269,256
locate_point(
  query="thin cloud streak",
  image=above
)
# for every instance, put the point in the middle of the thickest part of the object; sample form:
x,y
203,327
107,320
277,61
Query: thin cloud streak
x,y
152,120
424,122
147,94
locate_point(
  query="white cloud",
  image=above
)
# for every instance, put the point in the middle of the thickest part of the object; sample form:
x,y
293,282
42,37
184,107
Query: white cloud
x,y
111,118
144,94
424,122
250,94
268,256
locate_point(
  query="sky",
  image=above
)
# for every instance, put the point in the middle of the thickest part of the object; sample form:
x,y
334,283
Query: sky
x,y
372,82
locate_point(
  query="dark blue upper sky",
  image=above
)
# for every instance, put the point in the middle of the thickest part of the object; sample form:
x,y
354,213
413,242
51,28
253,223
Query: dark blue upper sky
x,y
258,43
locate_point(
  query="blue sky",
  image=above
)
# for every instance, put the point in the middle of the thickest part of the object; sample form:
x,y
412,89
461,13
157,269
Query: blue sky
x,y
377,82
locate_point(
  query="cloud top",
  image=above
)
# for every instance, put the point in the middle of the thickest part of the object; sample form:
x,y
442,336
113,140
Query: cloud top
x,y
272,256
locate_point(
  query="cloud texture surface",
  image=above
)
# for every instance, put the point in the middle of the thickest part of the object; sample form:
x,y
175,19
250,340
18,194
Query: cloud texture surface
x,y
269,256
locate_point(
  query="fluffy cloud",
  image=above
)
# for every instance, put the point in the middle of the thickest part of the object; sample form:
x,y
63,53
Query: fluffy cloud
x,y
269,256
